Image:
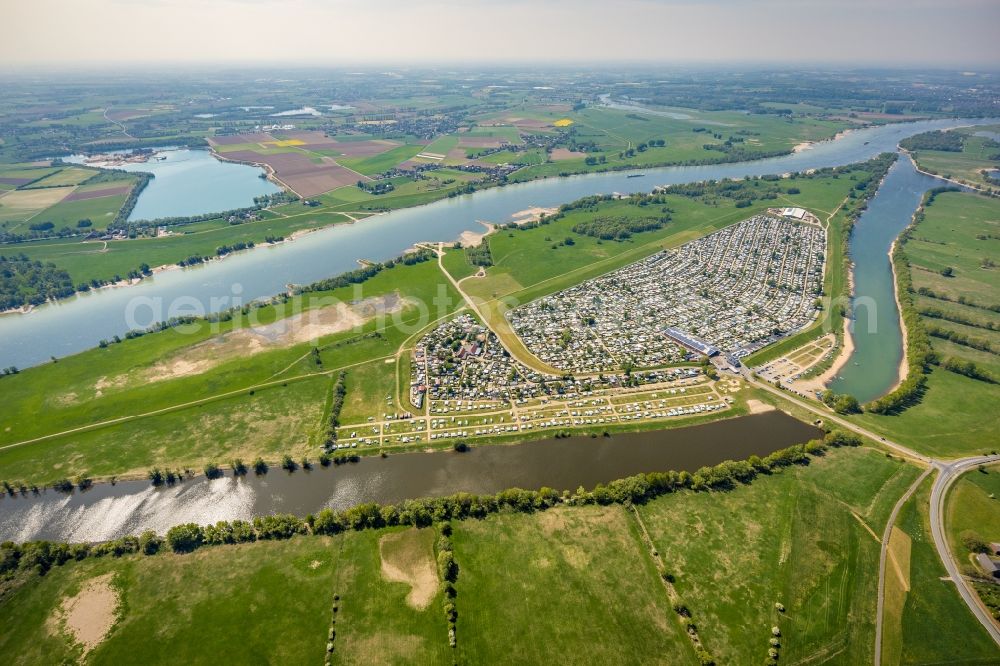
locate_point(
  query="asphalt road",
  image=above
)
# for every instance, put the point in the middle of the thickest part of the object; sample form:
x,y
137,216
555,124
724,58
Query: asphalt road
x,y
948,473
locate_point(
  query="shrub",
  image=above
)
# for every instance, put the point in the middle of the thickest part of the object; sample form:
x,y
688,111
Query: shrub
x,y
185,538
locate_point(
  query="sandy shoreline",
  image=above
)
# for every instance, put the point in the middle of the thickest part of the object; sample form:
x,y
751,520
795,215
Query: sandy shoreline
x,y
473,239
808,145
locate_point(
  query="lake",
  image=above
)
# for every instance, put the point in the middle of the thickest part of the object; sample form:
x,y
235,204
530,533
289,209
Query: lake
x,y
192,182
108,512
878,344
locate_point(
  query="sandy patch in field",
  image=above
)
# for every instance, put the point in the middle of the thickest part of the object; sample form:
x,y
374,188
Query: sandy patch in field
x,y
89,616
758,407
532,214
565,154
304,327
408,558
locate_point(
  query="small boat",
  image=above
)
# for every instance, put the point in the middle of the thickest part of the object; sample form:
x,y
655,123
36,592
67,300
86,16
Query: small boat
x,y
635,175
867,142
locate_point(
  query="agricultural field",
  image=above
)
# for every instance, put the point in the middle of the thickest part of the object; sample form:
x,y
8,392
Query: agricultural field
x,y
21,206
979,153
60,196
67,176
960,232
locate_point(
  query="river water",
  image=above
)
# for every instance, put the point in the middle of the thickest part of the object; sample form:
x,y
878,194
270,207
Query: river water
x,y
108,512
878,344
78,323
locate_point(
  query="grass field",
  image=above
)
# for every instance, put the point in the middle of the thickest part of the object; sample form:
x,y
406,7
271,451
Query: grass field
x,y
959,230
375,623
267,602
67,176
381,162
100,211
942,425
935,626
804,538
152,373
973,509
967,165
614,131
96,260
573,581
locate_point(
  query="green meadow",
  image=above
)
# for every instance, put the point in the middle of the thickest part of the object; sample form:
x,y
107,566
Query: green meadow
x,y
977,155
531,587
804,539
88,260
930,624
189,396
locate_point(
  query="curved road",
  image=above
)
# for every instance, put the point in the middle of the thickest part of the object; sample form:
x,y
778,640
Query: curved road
x,y
949,471
948,474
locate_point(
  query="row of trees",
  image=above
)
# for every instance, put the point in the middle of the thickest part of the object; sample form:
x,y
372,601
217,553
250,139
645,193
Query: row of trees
x,y
339,391
919,354
40,556
220,251
359,275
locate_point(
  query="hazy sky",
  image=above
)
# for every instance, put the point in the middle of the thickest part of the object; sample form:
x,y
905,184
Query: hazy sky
x,y
918,32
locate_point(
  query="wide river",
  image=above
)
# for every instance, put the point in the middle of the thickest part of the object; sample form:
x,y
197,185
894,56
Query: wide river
x,y
108,512
79,323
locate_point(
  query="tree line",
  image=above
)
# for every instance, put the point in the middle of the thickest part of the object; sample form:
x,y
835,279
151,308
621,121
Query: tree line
x,y
40,556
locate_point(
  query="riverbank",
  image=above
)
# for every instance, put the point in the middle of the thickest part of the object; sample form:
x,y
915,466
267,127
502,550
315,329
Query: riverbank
x,y
904,366
809,145
106,511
